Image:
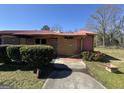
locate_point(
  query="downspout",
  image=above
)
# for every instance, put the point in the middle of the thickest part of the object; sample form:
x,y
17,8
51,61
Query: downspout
x,y
81,44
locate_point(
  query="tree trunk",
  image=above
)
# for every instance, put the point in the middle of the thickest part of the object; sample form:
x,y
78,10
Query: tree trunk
x,y
103,36
35,71
38,73
96,41
122,42
103,42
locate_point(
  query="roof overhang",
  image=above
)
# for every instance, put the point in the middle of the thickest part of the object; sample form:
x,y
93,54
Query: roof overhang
x,y
44,33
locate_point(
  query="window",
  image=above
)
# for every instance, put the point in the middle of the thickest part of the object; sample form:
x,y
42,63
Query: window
x,y
43,41
37,41
40,41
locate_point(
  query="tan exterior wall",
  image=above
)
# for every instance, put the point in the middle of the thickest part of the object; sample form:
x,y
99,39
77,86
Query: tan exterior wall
x,y
22,41
63,46
51,40
7,39
30,41
67,46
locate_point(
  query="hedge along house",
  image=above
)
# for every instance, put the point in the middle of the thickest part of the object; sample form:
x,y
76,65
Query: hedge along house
x,y
65,43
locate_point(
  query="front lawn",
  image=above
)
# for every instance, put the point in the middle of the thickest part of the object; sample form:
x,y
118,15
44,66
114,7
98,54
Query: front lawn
x,y
16,76
18,62
108,79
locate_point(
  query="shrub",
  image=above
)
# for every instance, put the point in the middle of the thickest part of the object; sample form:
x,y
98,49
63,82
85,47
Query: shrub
x,y
13,52
85,55
92,56
37,54
3,54
98,56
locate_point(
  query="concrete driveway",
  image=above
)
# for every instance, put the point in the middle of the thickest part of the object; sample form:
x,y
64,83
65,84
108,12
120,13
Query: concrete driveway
x,y
71,76
75,80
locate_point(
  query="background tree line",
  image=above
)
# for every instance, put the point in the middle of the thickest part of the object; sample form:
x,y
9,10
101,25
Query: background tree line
x,y
108,23
55,28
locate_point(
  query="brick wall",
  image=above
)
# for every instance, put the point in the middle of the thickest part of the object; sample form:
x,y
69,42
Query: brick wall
x,y
30,41
88,43
23,41
62,45
67,46
6,39
10,39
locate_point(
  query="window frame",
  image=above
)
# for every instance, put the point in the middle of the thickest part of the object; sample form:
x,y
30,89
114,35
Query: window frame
x,y
41,41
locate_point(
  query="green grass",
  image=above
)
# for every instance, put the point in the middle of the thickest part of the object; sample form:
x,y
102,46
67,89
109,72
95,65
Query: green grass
x,y
21,77
108,79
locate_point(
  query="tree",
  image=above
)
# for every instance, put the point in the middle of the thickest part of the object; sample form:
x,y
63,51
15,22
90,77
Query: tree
x,y
57,28
45,27
106,22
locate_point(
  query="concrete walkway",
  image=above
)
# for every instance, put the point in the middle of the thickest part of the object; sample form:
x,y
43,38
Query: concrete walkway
x,y
69,74
75,64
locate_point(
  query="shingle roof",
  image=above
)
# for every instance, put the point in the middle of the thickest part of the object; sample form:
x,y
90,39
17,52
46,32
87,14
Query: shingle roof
x,y
45,32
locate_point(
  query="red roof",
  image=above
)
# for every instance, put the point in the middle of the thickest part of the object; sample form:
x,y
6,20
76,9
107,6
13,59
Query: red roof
x,y
45,32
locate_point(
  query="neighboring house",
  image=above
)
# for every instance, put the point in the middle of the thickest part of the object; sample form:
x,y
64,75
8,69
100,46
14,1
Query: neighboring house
x,y
65,43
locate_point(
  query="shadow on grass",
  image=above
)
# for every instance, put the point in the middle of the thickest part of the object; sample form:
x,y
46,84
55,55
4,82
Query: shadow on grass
x,y
45,71
57,71
119,72
15,66
108,58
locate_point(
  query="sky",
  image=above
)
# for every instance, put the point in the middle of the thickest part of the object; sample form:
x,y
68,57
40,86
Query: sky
x,y
33,17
